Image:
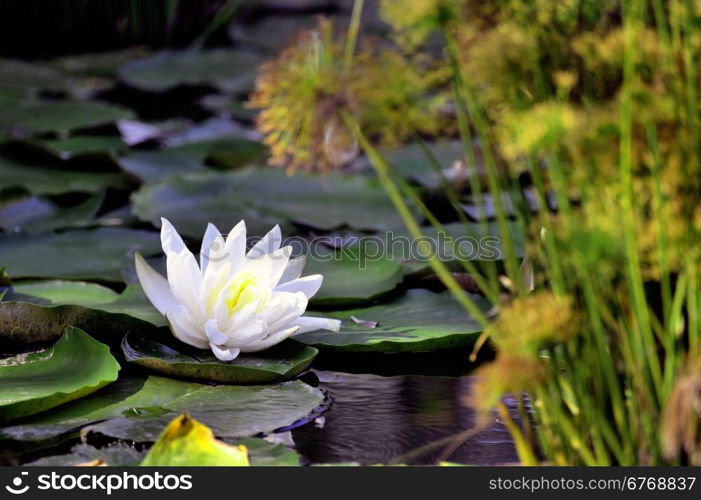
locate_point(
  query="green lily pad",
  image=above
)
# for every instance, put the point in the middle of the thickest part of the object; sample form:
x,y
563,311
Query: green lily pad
x,y
50,181
352,275
138,409
420,320
89,254
167,356
98,64
61,293
455,242
169,69
39,311
263,453
231,153
152,166
193,200
35,214
57,116
263,196
80,145
25,76
75,366
411,162
185,442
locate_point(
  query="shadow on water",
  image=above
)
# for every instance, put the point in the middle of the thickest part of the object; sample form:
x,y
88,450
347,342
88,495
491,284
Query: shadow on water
x,y
376,419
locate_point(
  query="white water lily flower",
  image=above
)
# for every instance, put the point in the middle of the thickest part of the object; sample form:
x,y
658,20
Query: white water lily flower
x,y
233,301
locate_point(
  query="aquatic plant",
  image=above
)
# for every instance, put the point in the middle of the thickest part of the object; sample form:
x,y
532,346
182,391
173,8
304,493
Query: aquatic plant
x,y
304,92
235,300
593,105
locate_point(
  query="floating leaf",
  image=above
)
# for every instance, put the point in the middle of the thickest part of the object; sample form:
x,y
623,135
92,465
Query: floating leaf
x,y
169,357
169,69
34,214
351,275
264,197
411,162
80,145
72,368
96,254
138,409
25,76
39,311
25,117
454,243
49,181
263,453
420,320
152,166
185,442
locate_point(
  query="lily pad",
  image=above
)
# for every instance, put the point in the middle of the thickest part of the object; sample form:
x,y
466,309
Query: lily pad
x,y
39,311
168,69
138,409
152,166
25,76
80,145
185,442
170,357
35,214
411,162
92,254
456,242
352,275
75,366
265,195
25,117
263,453
193,200
420,320
50,181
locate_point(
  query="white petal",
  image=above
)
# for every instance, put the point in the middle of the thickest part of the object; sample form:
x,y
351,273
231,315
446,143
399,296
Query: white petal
x,y
214,335
226,354
185,279
270,266
294,269
283,309
184,329
170,239
245,326
267,244
211,235
154,285
216,271
308,285
270,340
235,246
311,324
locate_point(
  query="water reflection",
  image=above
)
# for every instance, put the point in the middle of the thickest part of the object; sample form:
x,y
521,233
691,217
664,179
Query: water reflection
x,y
376,419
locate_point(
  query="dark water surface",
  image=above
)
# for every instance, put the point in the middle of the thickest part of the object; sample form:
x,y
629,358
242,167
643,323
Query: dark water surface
x,y
377,419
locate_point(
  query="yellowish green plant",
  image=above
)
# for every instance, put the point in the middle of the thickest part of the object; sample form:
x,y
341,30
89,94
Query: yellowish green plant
x,y
303,93
594,104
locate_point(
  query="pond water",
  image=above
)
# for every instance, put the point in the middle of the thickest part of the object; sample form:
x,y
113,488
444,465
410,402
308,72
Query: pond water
x,y
379,419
